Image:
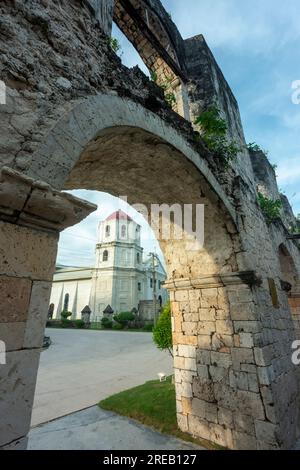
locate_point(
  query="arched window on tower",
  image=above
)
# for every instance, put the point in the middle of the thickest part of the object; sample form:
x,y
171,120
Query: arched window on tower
x,y
107,231
138,258
105,255
123,231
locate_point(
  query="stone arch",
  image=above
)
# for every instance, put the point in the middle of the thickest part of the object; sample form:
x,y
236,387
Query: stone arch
x,y
112,144
87,119
153,34
106,132
290,284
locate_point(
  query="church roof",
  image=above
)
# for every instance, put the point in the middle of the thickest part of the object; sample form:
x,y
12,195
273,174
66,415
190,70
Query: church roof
x,y
119,215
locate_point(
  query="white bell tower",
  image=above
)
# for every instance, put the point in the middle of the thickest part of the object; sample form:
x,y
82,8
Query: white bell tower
x,y
118,275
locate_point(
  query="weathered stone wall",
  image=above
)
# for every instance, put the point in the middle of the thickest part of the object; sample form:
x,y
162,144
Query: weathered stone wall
x,y
76,118
31,215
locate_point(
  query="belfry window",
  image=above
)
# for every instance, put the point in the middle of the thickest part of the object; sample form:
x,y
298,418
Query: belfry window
x,y
105,255
107,231
123,231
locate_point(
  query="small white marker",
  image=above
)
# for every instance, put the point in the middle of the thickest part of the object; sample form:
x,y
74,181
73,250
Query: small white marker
x,y
162,376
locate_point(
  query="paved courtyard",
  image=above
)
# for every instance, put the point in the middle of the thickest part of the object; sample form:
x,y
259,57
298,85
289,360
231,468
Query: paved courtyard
x,y
95,429
82,367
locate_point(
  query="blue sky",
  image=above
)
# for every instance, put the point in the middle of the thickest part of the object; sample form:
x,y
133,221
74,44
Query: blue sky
x,y
256,43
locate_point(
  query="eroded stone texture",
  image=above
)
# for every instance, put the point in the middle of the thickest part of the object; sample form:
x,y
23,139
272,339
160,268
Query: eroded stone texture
x,y
17,384
26,266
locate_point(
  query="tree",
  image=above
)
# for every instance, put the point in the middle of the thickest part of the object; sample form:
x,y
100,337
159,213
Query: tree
x,y
162,332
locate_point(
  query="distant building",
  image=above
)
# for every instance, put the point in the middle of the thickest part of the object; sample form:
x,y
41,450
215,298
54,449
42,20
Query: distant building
x,y
121,278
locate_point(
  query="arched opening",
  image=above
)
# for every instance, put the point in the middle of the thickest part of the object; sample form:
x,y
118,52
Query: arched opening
x,y
107,290
127,151
105,256
290,284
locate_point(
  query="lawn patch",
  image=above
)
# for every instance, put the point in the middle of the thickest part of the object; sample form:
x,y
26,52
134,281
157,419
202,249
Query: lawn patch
x,y
152,404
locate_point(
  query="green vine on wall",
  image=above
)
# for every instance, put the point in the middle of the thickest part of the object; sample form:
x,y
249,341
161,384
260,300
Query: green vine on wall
x,y
270,207
213,130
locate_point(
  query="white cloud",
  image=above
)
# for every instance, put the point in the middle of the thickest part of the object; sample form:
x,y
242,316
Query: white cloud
x,y
289,172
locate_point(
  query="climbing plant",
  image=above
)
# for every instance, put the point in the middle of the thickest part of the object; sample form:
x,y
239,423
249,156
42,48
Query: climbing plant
x,y
213,130
170,96
270,207
154,76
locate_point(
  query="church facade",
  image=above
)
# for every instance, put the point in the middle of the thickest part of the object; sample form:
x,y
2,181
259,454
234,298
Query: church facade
x,y
121,278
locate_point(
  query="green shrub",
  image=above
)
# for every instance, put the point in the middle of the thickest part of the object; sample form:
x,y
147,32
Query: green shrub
x,y
214,134
65,314
153,76
124,318
270,208
254,147
78,324
115,45
148,327
162,332
170,98
106,323
65,323
118,326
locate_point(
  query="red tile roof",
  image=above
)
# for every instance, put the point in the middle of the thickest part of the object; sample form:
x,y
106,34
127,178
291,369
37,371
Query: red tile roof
x,y
119,215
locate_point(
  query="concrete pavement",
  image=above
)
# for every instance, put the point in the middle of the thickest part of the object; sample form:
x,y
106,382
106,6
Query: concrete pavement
x,y
82,367
95,429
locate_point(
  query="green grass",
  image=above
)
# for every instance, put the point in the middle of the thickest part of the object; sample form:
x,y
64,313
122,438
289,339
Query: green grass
x,y
152,404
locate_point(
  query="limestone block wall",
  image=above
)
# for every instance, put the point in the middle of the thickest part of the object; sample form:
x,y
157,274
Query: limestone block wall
x,y
31,215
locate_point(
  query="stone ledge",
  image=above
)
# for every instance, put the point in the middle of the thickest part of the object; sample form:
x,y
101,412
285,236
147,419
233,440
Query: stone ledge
x,y
210,281
32,203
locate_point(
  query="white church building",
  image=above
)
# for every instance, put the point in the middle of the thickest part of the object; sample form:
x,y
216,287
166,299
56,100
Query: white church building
x,y
121,278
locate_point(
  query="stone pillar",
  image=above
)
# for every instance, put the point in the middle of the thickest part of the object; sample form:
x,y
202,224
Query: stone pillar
x,y
228,368
31,216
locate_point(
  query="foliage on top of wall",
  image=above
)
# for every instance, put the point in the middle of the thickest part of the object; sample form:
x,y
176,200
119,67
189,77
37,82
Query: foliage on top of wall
x,y
214,133
115,45
270,207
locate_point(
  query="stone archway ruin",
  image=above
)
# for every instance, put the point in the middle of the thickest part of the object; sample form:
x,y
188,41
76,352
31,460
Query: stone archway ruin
x,y
110,129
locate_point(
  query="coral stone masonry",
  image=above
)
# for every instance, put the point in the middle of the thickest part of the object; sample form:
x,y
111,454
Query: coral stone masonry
x,y
76,118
